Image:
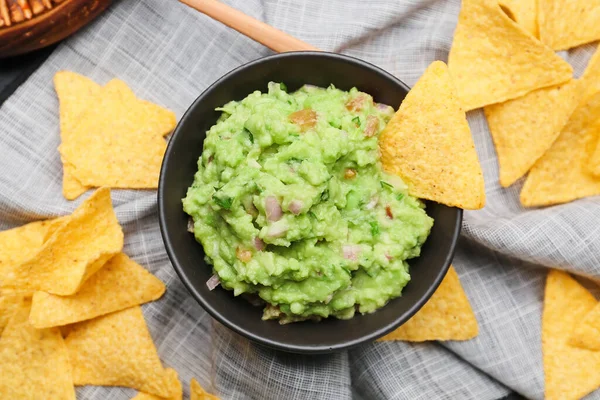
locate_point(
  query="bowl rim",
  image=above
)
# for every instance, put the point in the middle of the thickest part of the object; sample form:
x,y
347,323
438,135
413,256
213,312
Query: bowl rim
x,y
301,349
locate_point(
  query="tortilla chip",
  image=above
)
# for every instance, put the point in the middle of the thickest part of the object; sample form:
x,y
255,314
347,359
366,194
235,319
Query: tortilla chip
x,y
19,244
493,59
120,284
175,385
119,142
76,250
33,363
586,333
565,24
9,303
524,128
76,94
570,372
421,141
524,13
447,315
590,81
117,350
561,175
197,393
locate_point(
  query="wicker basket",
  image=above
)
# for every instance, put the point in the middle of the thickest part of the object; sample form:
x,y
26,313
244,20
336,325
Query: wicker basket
x,y
27,25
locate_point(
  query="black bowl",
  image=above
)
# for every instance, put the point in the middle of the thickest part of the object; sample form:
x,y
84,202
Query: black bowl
x,y
187,255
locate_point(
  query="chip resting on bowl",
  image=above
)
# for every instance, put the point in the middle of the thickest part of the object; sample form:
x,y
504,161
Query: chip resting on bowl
x,y
561,174
33,363
119,141
568,23
117,350
586,333
570,372
121,283
524,13
493,59
422,140
77,249
175,388
524,128
76,93
447,315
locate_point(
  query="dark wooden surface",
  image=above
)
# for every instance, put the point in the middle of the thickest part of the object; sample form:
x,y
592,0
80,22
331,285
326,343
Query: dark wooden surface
x,y
45,29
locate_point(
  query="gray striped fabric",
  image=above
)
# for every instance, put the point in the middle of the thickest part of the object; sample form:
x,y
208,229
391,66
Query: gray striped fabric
x,y
168,54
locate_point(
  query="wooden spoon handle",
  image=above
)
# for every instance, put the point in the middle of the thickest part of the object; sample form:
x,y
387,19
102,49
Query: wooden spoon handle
x,y
259,31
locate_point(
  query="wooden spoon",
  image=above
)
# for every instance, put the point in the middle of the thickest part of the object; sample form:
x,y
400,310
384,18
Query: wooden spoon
x,y
259,31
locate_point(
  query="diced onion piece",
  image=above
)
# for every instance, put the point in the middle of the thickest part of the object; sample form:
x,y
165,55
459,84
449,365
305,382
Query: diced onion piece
x,y
351,251
372,126
295,206
277,230
213,282
273,208
259,244
190,225
373,203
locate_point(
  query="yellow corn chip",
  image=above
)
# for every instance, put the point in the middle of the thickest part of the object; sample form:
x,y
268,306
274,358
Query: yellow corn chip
x,y
565,24
76,250
594,160
120,284
590,81
9,303
197,393
587,331
421,141
446,316
119,142
175,385
523,12
493,59
19,244
117,350
34,363
524,128
76,94
570,372
561,175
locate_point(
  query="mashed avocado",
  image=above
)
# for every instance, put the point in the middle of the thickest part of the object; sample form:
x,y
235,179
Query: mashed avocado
x,y
290,204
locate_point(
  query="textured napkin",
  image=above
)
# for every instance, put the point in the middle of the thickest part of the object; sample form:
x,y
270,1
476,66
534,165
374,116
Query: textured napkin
x,y
169,54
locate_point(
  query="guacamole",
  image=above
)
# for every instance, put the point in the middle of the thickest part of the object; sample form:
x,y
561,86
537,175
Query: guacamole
x,y
291,205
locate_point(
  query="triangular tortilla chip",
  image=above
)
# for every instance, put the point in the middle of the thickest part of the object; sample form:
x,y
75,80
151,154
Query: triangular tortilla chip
x,y
493,59
117,350
587,331
174,384
565,24
562,175
197,393
76,93
77,249
446,316
120,284
570,372
524,13
34,363
119,142
19,244
9,303
524,128
422,140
